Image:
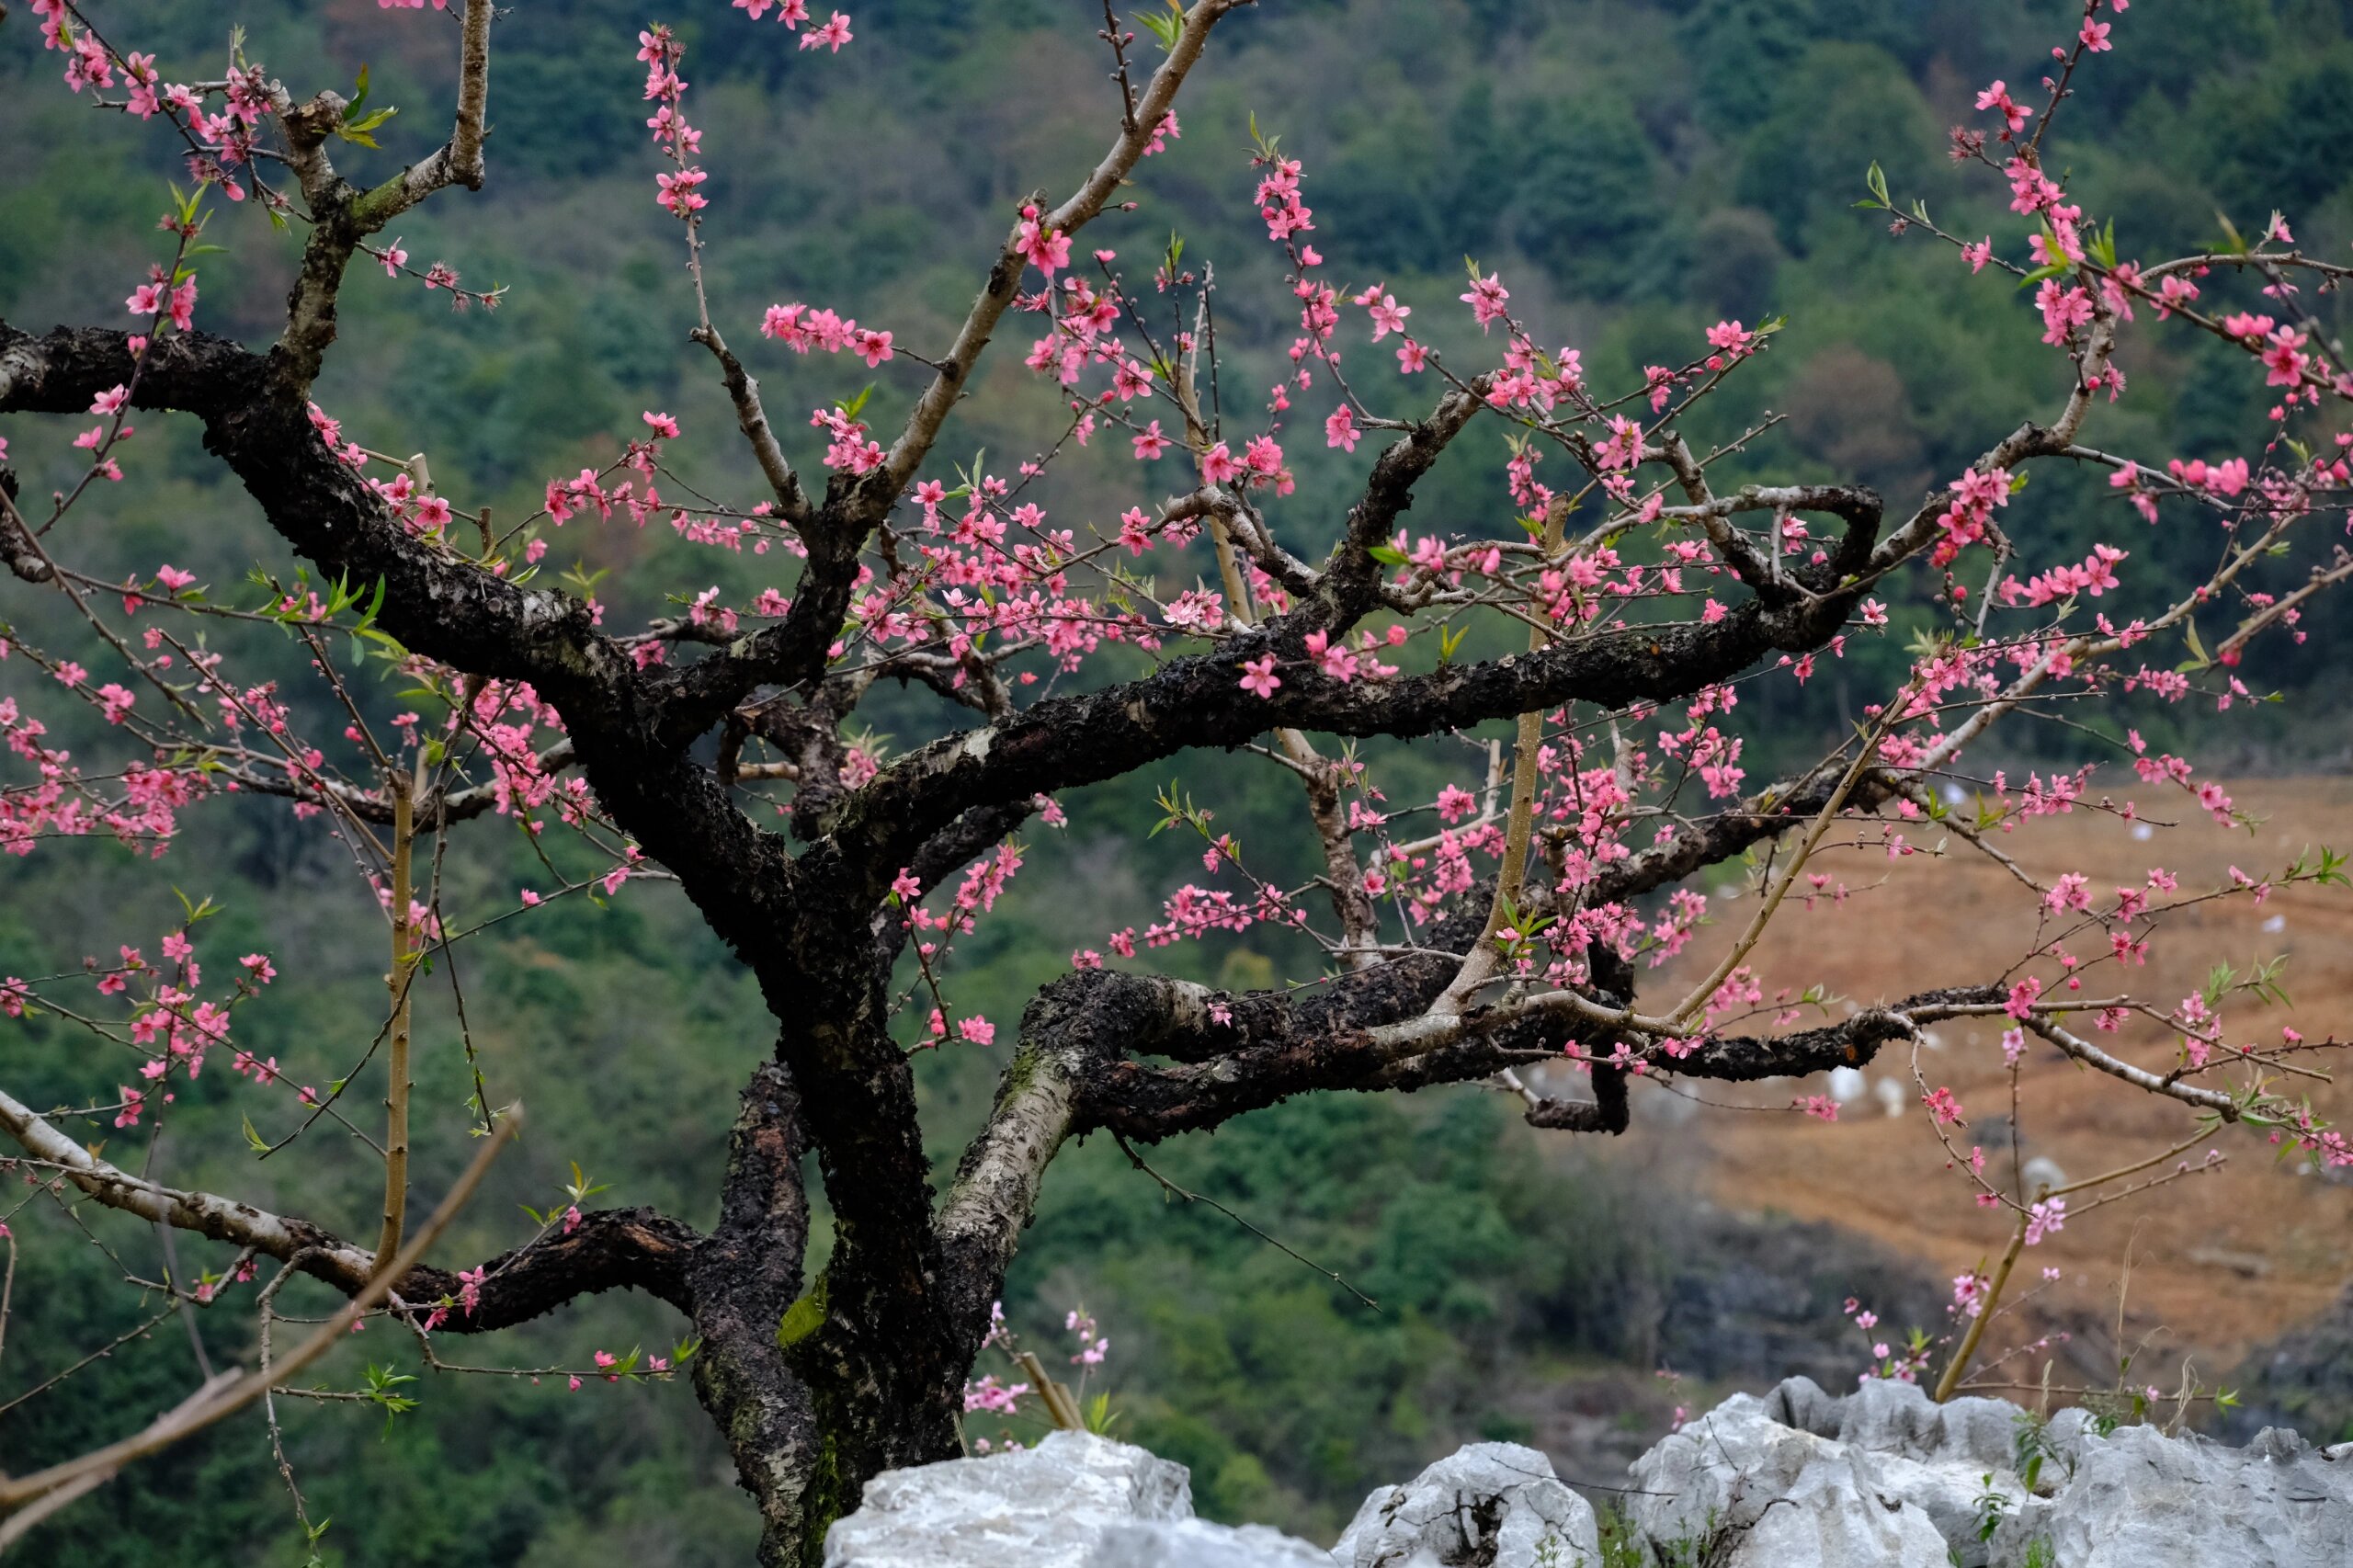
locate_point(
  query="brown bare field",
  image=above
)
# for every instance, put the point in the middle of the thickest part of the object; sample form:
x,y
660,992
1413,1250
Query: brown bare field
x,y
2219,1261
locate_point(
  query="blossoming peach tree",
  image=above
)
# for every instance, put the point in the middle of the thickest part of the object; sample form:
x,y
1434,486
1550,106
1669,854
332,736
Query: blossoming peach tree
x,y
1496,933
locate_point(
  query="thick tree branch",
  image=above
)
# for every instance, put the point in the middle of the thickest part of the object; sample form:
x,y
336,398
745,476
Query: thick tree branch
x,y
745,1277
1198,701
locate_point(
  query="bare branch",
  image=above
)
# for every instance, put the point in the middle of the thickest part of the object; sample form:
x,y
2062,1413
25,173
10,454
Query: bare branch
x,y
955,367
251,1386
613,1247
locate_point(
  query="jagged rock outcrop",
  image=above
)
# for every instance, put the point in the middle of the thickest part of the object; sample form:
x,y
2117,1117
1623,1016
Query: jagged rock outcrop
x,y
1884,1477
2137,1498
1754,1484
1879,1478
1489,1505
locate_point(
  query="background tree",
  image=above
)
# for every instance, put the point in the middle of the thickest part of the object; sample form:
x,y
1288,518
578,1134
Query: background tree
x,y
1500,942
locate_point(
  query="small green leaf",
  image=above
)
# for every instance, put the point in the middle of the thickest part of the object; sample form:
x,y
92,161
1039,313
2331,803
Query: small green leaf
x,y
1166,27
803,1318
2199,658
362,131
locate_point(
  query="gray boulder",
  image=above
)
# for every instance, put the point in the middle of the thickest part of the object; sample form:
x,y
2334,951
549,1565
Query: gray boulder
x,y
1948,1461
2137,1498
1492,1504
1074,1501
1741,1488
1042,1507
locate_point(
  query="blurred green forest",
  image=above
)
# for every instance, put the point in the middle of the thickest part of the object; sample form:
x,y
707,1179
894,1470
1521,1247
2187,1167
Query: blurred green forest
x,y
1635,168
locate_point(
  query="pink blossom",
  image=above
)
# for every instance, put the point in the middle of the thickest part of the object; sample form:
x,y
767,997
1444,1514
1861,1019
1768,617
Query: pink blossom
x,y
1997,98
833,34
1486,300
2045,1219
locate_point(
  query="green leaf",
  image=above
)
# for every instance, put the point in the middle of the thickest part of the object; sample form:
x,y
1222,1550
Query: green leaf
x,y
803,1318
1877,180
2199,658
1388,555
2102,246
359,94
1167,25
362,131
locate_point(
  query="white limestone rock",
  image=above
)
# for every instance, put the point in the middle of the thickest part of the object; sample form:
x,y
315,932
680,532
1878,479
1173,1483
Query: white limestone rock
x,y
1740,1488
1495,1504
1800,1478
1049,1507
2137,1498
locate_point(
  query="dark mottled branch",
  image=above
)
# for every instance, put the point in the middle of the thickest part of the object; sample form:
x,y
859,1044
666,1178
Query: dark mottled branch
x,y
1351,583
610,1249
1198,701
